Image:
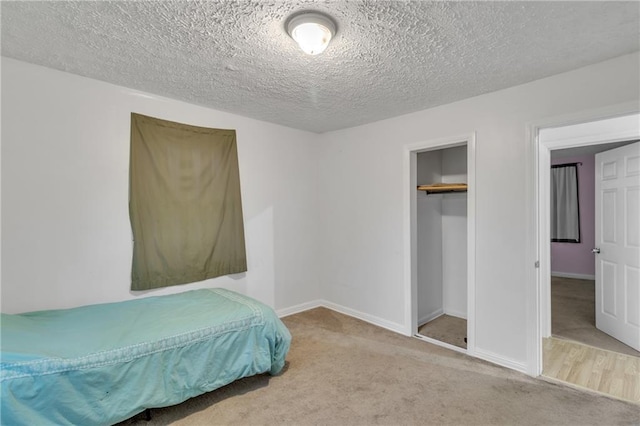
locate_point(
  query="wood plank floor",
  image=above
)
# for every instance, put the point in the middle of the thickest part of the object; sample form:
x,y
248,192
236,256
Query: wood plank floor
x,y
600,370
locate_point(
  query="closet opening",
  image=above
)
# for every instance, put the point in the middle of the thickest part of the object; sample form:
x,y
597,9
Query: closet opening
x,y
442,209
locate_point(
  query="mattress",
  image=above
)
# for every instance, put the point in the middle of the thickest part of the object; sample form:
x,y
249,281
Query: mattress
x,y
102,364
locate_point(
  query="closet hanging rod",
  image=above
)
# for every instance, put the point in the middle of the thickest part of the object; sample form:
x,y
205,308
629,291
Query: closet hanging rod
x,y
442,188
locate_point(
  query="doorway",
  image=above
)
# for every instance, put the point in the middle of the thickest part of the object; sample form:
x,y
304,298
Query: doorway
x,y
440,285
572,262
546,139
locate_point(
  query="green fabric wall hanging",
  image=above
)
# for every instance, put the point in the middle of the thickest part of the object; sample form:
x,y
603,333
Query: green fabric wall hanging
x,y
184,203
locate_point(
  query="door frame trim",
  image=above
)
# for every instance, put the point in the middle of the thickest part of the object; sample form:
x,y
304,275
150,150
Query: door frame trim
x,y
538,291
410,195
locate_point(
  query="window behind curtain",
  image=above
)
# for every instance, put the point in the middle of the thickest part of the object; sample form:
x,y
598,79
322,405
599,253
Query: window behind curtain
x,y
185,206
565,209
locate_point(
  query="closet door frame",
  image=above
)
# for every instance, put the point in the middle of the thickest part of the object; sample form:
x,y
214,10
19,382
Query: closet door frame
x,y
410,234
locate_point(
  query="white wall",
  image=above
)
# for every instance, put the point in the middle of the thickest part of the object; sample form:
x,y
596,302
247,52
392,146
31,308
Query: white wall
x,y
429,239
323,214
361,188
66,236
454,231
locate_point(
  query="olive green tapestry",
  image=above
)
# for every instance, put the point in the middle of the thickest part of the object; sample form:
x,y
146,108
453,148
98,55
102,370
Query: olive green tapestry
x,y
184,203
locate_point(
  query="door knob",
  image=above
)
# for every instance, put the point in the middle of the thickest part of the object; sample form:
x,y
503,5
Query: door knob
x,y
595,250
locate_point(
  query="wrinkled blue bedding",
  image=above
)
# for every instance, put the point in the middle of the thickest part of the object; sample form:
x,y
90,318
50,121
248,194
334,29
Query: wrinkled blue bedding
x,y
102,364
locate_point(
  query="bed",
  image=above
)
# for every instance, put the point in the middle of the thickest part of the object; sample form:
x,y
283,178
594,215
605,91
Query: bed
x,y
102,364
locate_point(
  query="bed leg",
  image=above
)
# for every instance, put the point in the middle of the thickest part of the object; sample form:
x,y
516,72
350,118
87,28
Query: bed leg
x,y
147,414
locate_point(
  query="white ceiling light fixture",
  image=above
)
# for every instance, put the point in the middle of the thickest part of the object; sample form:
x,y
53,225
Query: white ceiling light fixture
x,y
312,31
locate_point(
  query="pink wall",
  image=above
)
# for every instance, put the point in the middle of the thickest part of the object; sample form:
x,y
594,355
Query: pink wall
x,y
576,258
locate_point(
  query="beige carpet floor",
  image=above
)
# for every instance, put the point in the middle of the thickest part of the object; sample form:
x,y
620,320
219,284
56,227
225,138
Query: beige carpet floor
x,y
343,371
573,315
446,328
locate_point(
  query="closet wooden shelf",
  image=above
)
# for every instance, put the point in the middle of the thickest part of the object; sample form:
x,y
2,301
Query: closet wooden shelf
x,y
441,188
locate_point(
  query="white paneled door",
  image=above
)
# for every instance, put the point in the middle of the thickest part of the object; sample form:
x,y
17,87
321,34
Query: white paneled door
x,y
617,248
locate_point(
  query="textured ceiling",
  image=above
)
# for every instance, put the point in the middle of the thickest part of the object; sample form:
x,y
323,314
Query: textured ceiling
x,y
388,58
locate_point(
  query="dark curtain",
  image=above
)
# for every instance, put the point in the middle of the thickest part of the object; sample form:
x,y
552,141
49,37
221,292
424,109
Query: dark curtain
x,y
565,209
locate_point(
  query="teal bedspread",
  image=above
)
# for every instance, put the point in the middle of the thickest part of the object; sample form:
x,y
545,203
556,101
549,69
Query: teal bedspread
x,y
102,364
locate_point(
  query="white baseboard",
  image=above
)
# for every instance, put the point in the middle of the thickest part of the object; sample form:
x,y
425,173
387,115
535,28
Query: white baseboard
x,y
398,328
571,275
500,360
371,319
457,314
430,317
441,343
299,308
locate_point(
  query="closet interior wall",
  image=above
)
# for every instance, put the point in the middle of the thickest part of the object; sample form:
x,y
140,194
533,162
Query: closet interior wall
x,y
442,236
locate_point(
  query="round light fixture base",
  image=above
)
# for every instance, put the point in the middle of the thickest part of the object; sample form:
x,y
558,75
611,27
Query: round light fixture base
x,y
312,31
